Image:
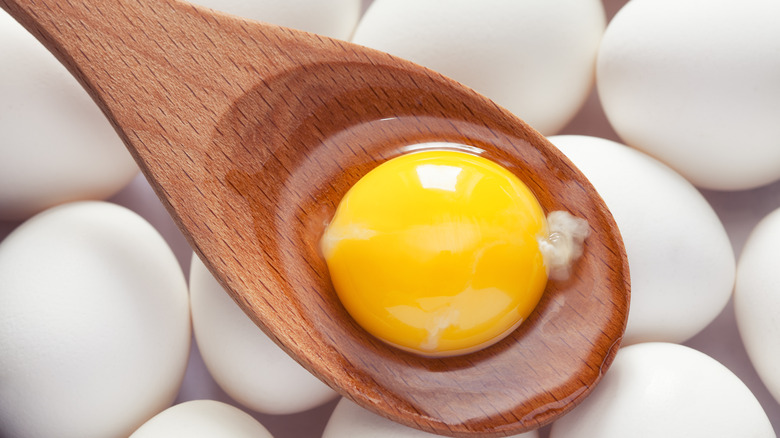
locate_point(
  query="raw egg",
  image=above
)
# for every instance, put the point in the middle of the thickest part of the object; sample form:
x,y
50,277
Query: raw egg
x,y
202,419
92,302
682,263
757,300
56,146
532,57
243,361
438,252
349,420
658,389
333,18
694,83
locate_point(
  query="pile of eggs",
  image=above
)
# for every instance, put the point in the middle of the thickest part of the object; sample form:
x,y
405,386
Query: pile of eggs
x,y
110,328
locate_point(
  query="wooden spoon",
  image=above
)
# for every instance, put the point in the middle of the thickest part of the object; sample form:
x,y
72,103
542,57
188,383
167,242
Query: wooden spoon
x,y
251,133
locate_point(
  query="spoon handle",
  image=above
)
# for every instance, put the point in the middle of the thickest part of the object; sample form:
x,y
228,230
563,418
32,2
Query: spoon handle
x,y
147,62
165,72
250,134
96,40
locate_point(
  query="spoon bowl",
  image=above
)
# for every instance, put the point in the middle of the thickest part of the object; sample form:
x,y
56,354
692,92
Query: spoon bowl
x,y
250,134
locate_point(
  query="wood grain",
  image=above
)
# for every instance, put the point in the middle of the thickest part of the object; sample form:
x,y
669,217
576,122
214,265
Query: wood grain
x,y
251,133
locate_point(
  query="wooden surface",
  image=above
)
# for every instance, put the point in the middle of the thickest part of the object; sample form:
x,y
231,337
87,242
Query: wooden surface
x,y
250,134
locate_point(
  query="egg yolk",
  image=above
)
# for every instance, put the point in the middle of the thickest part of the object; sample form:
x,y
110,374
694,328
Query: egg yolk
x,y
437,252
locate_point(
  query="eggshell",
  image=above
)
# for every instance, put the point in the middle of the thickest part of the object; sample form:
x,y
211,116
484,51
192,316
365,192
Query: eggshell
x,y
534,57
55,144
666,390
681,261
94,324
695,84
245,363
333,18
757,300
202,419
351,421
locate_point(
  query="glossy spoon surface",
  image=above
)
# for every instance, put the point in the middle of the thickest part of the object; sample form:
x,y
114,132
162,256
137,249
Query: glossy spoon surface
x,y
250,134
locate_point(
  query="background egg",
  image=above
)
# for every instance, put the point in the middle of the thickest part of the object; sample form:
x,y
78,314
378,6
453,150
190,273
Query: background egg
x,y
242,359
55,144
333,18
666,390
351,421
534,57
202,419
680,257
757,300
695,84
94,324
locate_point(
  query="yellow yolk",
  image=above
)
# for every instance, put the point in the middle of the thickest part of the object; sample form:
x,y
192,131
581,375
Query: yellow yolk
x,y
437,252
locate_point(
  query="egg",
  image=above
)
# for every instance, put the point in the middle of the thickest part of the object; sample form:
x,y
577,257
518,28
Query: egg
x,y
55,144
757,300
244,362
333,18
534,57
694,83
202,419
351,421
437,252
94,323
666,390
680,258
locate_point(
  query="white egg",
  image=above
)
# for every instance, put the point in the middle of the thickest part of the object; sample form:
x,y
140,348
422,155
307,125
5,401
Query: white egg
x,y
680,258
666,390
757,300
94,323
55,144
333,18
351,421
695,84
245,363
202,419
534,57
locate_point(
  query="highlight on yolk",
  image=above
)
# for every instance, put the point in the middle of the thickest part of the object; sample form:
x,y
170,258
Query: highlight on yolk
x,y
438,252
